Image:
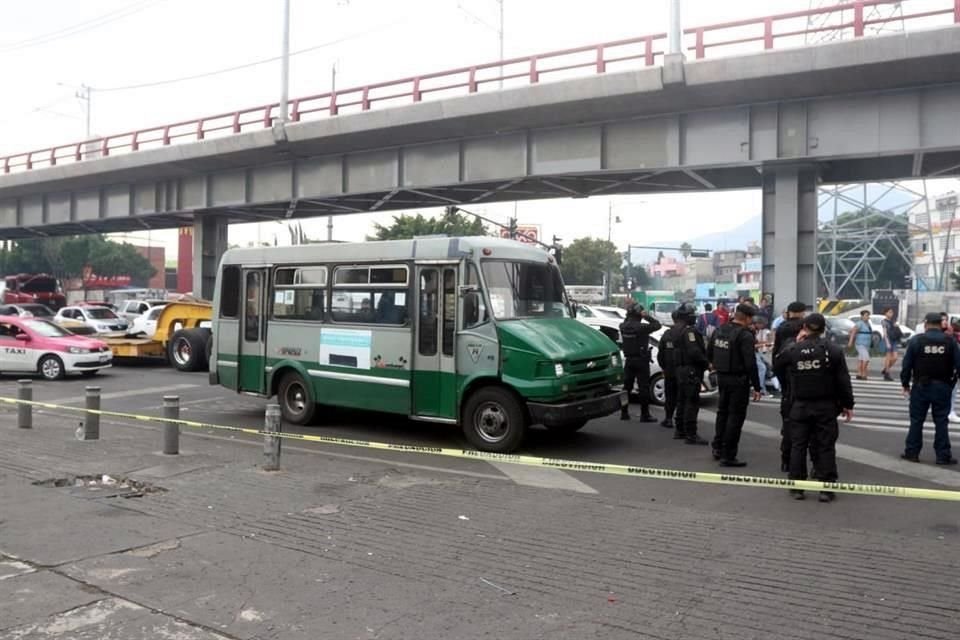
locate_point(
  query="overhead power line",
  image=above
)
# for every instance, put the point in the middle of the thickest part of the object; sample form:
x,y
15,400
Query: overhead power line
x,y
81,27
255,63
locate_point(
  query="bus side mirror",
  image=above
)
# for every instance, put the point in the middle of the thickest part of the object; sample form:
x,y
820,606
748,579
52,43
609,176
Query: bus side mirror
x,y
574,309
471,308
22,337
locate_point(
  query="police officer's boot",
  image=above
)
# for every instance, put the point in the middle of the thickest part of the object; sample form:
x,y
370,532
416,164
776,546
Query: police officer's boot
x,y
678,434
827,496
666,423
797,494
695,439
624,413
645,414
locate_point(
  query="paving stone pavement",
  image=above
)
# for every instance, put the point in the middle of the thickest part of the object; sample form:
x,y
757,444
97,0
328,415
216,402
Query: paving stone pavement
x,y
333,548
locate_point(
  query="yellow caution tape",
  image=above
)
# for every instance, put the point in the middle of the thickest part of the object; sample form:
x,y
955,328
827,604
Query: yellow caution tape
x,y
552,463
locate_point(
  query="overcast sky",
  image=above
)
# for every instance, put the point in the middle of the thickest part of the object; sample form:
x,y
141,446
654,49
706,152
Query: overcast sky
x,y
49,47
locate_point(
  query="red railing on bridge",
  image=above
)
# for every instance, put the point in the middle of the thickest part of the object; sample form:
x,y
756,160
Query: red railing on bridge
x,y
740,36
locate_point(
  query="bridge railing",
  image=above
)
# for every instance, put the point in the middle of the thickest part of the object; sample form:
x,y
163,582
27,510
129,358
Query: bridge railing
x,y
849,19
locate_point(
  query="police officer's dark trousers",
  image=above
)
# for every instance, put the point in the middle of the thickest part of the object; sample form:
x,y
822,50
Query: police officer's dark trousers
x,y
636,370
935,397
688,401
785,445
813,427
731,412
670,397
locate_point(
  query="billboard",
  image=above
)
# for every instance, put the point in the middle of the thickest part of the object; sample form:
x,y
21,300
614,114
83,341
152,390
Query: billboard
x,y
529,233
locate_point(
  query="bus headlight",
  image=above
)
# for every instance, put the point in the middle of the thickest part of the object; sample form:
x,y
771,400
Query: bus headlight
x,y
558,369
615,360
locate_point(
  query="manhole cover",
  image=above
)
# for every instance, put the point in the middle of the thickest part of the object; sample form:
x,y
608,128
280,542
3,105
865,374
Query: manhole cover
x,y
101,486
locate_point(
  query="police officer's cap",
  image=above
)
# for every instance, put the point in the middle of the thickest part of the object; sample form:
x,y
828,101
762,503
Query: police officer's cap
x,y
797,307
815,322
933,318
746,309
634,309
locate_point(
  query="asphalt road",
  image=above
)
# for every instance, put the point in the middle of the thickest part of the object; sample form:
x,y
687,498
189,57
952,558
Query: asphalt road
x,y
869,451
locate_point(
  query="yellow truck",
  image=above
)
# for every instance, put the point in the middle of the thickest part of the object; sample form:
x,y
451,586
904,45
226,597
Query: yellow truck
x,y
182,336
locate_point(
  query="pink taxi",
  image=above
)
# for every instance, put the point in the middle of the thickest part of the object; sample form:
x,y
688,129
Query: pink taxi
x,y
38,346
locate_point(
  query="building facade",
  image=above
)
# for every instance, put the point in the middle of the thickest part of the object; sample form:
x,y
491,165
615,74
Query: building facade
x,y
935,241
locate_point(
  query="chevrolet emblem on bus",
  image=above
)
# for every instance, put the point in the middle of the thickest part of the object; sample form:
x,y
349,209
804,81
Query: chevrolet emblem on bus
x,y
475,351
591,364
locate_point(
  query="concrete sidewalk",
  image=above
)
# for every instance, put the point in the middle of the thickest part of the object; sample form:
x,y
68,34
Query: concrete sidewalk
x,y
212,547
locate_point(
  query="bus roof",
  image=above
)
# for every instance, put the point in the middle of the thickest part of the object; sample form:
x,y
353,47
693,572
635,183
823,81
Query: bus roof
x,y
386,251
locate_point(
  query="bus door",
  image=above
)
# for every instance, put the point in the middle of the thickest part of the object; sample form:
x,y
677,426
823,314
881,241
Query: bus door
x,y
251,375
434,379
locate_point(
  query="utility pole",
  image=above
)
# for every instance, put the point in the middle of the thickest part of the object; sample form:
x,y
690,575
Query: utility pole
x,y
83,93
285,64
675,33
606,279
333,89
500,36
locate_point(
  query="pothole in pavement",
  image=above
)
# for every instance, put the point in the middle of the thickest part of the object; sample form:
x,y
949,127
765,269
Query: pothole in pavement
x,y
101,486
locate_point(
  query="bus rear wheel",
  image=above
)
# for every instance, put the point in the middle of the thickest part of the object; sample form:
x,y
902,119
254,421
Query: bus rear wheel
x,y
296,402
494,420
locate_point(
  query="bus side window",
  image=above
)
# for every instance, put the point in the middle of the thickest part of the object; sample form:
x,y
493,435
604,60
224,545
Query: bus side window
x,y
230,292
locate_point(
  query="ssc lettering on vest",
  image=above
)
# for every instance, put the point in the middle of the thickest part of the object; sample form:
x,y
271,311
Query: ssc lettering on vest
x,y
721,344
806,365
935,349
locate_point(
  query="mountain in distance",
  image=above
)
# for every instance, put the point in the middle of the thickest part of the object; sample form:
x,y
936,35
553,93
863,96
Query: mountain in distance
x,y
879,196
736,238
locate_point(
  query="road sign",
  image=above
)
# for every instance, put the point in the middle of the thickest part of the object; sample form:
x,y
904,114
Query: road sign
x,y
529,233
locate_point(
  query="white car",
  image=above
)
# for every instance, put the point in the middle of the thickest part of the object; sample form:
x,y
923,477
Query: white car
x,y
602,322
133,309
101,319
146,323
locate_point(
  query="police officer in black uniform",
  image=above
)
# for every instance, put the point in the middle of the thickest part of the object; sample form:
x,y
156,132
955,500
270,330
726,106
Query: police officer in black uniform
x,y
689,363
785,334
635,334
732,352
933,361
820,389
665,360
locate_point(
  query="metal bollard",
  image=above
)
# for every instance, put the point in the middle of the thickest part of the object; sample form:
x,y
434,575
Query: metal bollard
x,y
24,410
271,443
171,430
90,427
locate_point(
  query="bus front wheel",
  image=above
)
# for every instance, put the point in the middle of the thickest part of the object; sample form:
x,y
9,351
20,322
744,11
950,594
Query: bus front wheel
x,y
494,420
296,401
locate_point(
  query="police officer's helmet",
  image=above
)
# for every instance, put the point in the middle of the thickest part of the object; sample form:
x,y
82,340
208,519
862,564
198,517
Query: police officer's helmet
x,y
634,309
686,312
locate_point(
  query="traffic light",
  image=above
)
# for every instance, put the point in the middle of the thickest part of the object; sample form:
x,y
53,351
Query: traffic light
x,y
908,281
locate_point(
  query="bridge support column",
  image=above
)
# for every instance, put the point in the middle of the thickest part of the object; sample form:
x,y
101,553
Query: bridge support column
x,y
790,234
209,245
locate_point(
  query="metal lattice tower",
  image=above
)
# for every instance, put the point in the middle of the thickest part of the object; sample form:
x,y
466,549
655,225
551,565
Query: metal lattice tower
x,y
828,26
850,252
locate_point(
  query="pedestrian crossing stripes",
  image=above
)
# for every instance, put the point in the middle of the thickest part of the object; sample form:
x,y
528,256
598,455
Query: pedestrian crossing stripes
x,y
879,406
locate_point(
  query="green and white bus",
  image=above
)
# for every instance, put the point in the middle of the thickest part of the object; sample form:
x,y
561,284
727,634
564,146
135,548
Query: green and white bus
x,y
471,331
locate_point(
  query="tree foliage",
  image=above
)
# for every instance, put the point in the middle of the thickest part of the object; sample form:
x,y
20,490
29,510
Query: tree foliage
x,y
586,261
641,278
685,250
451,223
66,257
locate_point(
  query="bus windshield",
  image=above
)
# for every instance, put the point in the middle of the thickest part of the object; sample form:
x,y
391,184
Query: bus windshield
x,y
524,290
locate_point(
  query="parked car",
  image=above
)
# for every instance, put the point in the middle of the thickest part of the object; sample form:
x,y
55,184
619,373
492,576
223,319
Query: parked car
x,y
101,319
46,313
133,309
35,345
146,323
611,312
839,330
609,326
